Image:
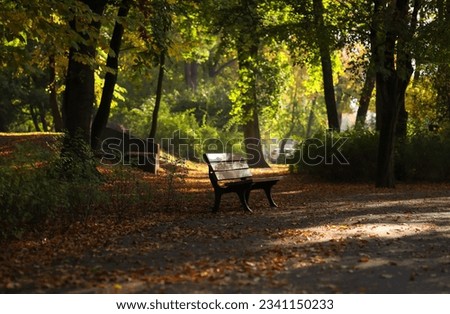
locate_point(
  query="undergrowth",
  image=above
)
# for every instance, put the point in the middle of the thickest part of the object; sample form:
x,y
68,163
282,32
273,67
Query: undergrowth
x,y
352,156
44,190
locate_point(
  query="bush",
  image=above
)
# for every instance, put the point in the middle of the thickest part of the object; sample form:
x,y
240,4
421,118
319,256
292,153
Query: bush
x,y
422,156
348,156
29,195
34,191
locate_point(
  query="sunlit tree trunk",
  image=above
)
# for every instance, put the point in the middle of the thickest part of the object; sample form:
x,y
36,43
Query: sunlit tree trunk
x,y
154,126
112,62
79,96
247,56
327,69
366,95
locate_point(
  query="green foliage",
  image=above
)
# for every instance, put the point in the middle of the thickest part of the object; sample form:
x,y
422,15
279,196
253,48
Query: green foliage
x,y
33,192
347,156
29,195
422,156
76,160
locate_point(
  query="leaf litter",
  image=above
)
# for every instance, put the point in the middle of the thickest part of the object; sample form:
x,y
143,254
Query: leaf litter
x,y
323,238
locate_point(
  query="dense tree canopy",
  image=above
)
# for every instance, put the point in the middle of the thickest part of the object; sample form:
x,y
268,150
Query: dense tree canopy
x,y
243,71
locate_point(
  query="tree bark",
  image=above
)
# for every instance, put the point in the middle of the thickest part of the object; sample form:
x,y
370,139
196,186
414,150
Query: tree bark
x,y
154,126
442,77
247,56
42,117
393,76
53,100
323,39
112,62
387,88
247,46
34,118
366,95
79,96
3,126
191,75
214,69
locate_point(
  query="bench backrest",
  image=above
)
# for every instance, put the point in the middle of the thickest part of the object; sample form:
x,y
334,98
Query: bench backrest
x,y
227,167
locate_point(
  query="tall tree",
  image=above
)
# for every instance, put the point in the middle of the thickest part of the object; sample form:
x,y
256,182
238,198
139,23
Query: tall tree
x,y
442,76
79,96
53,97
323,41
395,28
159,90
112,64
370,72
242,26
247,54
366,94
161,23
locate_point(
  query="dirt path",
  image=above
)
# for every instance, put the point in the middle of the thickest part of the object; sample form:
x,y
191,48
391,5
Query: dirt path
x,y
324,238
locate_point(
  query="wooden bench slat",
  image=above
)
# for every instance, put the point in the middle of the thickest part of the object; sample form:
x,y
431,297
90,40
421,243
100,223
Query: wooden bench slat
x,y
226,166
233,174
224,157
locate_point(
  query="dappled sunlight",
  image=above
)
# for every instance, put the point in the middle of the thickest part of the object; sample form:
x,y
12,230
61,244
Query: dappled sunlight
x,y
289,192
435,201
326,233
151,234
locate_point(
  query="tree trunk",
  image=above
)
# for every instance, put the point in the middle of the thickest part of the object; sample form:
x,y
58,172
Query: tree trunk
x,y
3,126
34,118
323,39
442,77
214,69
394,73
191,75
162,61
366,94
310,119
79,96
402,121
442,87
42,118
112,62
387,87
53,100
247,56
252,142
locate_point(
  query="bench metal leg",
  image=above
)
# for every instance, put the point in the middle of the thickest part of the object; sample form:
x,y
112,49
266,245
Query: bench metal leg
x,y
247,195
242,197
217,197
268,190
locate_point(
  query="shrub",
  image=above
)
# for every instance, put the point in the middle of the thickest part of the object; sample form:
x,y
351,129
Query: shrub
x,y
424,156
421,156
349,156
28,194
36,189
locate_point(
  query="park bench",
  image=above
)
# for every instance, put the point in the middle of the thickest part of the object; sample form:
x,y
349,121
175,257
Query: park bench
x,y
231,174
